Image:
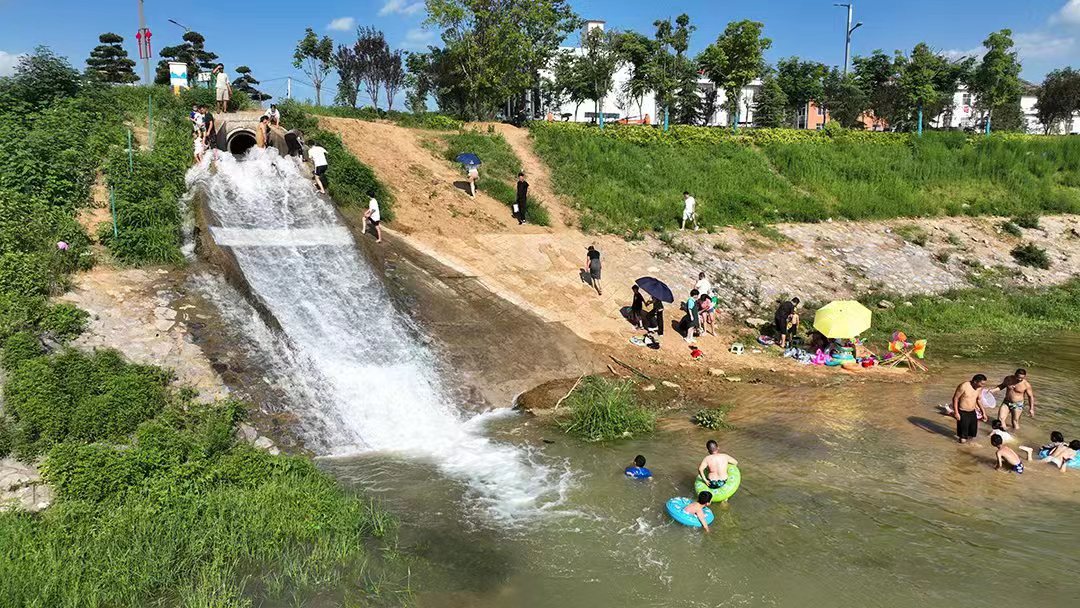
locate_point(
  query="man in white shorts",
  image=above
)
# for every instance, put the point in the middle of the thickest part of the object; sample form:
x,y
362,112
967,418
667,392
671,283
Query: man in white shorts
x,y
224,89
689,210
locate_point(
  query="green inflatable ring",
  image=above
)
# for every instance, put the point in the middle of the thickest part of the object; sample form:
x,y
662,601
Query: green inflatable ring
x,y
734,478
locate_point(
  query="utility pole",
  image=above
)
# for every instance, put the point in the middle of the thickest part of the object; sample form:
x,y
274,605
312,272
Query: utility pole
x,y
288,88
142,38
848,30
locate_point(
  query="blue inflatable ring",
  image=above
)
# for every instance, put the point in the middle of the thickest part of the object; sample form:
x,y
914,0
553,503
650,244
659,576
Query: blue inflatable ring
x,y
721,494
638,472
675,508
1072,464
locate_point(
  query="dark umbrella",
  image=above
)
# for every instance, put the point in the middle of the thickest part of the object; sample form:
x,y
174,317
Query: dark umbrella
x,y
468,158
656,288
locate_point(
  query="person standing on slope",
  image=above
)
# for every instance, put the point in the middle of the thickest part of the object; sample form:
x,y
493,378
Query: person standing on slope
x,y
522,197
224,89
374,216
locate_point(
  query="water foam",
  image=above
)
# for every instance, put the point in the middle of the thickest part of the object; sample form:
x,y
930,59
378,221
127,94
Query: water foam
x,y
354,366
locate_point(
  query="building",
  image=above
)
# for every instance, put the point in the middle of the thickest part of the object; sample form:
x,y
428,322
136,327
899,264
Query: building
x,y
964,116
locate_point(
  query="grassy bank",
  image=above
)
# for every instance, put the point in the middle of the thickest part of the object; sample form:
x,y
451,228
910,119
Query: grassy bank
x,y
600,409
350,181
629,178
498,174
427,120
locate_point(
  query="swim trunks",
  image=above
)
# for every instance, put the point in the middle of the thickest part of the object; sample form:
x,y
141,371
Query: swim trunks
x,y
1018,467
1014,405
716,484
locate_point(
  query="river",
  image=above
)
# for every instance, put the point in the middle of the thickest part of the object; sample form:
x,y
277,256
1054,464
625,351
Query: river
x,y
855,494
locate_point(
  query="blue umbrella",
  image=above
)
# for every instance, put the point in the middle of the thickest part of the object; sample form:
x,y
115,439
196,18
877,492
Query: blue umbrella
x,y
468,158
656,288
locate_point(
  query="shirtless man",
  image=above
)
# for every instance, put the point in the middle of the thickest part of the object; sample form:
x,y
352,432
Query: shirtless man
x,y
966,408
717,465
1017,390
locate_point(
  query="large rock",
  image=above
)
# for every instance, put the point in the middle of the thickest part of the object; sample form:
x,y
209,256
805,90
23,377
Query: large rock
x,y
755,322
21,487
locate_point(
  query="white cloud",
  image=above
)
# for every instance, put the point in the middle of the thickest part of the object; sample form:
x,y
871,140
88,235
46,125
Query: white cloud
x,y
400,7
417,39
8,61
342,24
1043,45
955,54
1069,14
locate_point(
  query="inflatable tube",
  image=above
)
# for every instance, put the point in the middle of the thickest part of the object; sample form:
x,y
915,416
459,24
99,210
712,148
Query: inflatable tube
x,y
638,472
1073,464
734,478
675,508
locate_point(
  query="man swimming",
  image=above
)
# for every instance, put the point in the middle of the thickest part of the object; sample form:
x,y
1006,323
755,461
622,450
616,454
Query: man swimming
x,y
716,464
966,408
1017,390
697,509
1006,455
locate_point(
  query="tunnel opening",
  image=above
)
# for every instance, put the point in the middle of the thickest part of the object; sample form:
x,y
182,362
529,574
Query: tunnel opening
x,y
240,141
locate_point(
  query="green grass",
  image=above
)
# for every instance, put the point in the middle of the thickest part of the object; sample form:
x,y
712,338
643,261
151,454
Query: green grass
x,y
498,174
626,178
605,410
714,419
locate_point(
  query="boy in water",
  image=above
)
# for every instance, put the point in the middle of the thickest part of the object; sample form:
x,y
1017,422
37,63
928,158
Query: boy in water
x,y
1006,455
1062,455
638,470
697,509
716,464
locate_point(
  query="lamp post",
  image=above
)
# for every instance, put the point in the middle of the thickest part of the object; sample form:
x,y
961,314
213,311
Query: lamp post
x,y
847,32
178,24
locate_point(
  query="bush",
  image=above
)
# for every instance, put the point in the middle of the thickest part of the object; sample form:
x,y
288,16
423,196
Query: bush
x,y
1027,220
713,419
913,234
64,321
19,347
1030,254
1011,228
604,410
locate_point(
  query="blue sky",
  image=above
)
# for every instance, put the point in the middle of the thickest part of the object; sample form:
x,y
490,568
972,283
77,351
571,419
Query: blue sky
x,y
262,34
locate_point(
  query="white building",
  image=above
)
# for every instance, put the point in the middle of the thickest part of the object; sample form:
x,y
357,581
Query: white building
x,y
616,106
964,116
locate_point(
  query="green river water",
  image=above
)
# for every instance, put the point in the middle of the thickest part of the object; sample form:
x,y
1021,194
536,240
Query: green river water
x,y
852,495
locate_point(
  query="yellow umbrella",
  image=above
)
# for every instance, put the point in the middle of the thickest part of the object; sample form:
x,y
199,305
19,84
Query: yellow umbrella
x,y
842,319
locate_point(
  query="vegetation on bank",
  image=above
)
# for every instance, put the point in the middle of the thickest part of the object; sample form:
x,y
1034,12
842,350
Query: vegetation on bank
x,y
421,120
631,178
156,501
350,181
498,174
601,409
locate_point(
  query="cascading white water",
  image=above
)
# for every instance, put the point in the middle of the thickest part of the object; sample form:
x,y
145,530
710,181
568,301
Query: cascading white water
x,y
360,378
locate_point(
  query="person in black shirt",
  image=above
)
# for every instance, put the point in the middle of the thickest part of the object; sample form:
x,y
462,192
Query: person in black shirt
x,y
210,126
522,196
637,308
593,265
780,319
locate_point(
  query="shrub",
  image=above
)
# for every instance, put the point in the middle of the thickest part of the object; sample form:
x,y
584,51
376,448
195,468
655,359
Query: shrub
x,y
604,410
1030,254
913,234
713,419
1027,220
19,347
1011,228
64,321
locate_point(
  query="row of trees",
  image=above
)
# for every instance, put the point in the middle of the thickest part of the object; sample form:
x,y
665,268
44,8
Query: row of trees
x,y
367,64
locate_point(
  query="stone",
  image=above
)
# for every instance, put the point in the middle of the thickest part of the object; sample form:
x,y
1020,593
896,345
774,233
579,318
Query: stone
x,y
246,432
273,451
908,304
716,372
163,324
263,443
754,322
21,487
734,379
649,387
885,304
669,384
162,312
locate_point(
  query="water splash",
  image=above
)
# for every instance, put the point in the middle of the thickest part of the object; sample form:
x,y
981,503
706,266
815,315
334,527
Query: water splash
x,y
352,364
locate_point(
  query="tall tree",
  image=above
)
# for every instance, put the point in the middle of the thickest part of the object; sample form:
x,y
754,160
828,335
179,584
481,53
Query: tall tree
x,y
878,76
247,83
371,49
191,51
1059,99
348,71
736,59
843,99
393,75
571,80
771,104
418,81
801,82
109,62
636,50
671,75
598,62
40,79
996,80
316,58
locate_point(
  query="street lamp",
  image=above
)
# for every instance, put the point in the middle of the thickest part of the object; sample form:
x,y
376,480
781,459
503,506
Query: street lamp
x,y
847,32
174,22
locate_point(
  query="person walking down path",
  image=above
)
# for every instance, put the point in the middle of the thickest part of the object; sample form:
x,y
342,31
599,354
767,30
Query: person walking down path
x,y
1017,391
522,197
317,154
689,210
966,408
592,263
474,176
374,216
224,89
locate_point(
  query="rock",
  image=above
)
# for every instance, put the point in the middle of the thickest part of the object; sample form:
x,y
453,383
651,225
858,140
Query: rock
x,y
754,322
21,487
273,451
163,324
734,379
649,387
716,372
670,384
908,304
885,304
162,312
246,432
264,443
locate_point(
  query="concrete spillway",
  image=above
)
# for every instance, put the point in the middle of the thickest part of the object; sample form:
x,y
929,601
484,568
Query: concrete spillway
x,y
236,133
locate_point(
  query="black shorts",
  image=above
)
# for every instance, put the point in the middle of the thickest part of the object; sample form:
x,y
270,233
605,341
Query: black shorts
x,y
373,222
968,425
320,170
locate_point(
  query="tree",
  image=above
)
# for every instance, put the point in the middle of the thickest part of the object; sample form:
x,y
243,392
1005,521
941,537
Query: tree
x,y
348,71
843,99
418,81
996,80
571,81
1059,98
801,82
246,83
109,62
597,66
636,50
771,104
316,58
191,52
670,73
877,76
736,59
370,49
393,75
40,79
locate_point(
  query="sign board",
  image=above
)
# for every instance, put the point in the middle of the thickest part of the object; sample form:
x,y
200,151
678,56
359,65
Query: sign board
x,y
203,76
178,77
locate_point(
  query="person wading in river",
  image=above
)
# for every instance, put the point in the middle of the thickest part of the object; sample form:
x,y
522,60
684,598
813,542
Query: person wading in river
x,y
1017,391
966,408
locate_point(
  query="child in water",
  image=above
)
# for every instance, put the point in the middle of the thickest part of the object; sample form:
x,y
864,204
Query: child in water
x,y
1000,431
638,470
1006,455
697,509
716,464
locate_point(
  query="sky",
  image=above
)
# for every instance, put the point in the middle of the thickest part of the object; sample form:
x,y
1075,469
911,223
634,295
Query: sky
x,y
263,34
